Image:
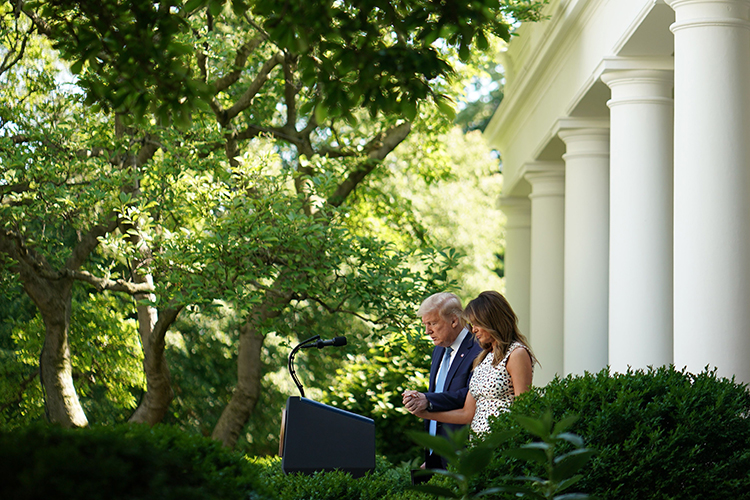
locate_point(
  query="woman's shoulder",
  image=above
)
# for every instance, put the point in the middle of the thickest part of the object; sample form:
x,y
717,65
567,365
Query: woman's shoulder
x,y
519,352
514,347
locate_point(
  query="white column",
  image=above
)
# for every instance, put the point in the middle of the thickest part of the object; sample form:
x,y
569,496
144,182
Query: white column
x,y
712,186
586,246
547,181
640,273
518,257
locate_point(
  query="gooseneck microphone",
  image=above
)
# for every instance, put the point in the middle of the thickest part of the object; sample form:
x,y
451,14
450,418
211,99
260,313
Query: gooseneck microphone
x,y
311,342
320,344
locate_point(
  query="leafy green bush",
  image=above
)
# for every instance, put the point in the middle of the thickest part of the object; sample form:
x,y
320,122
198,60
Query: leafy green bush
x,y
386,482
121,462
467,459
659,434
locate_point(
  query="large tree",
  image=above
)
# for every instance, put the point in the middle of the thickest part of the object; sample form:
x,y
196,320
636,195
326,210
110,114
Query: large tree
x,y
214,154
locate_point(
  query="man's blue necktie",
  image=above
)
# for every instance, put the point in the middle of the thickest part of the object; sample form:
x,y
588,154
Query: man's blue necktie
x,y
440,382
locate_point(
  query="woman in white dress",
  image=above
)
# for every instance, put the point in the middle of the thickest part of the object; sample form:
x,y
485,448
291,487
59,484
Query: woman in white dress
x,y
502,371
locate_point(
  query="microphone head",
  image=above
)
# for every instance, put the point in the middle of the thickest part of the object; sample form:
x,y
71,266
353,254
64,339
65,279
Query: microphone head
x,y
339,341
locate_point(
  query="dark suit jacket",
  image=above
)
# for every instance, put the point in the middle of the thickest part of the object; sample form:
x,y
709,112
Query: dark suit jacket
x,y
456,382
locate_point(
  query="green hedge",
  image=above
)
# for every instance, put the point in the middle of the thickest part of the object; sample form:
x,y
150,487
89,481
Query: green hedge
x,y
659,434
136,462
386,482
122,462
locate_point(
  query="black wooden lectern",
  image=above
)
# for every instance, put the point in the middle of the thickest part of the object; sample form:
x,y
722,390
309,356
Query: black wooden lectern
x,y
318,437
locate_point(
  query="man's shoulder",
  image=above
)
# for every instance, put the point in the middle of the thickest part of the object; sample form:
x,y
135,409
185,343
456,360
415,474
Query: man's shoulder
x,y
471,346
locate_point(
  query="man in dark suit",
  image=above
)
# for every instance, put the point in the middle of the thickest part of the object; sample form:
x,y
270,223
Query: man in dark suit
x,y
452,359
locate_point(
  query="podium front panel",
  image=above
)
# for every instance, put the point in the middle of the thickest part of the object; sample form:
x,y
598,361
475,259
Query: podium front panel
x,y
318,437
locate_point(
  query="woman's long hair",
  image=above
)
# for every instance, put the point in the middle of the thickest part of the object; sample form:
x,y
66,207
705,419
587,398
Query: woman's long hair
x,y
491,311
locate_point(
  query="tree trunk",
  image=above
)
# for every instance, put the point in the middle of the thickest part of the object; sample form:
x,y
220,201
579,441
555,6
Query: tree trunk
x,y
152,323
249,372
52,293
152,328
53,298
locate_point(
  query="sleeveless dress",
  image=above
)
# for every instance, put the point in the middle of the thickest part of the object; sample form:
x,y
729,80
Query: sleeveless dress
x,y
492,387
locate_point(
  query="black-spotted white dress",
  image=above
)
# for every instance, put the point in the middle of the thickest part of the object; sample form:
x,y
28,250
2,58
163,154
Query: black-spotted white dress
x,y
492,388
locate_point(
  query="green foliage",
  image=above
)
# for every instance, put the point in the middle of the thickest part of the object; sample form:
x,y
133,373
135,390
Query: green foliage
x,y
468,459
386,482
37,192
440,190
248,199
380,53
129,55
121,462
203,389
561,470
457,209
137,56
106,357
465,460
216,231
659,433
16,377
483,80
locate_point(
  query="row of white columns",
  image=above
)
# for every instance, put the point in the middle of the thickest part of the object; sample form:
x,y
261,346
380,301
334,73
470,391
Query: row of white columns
x,y
634,250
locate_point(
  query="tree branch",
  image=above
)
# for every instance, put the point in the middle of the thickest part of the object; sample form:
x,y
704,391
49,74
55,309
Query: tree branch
x,y
20,187
247,98
240,59
40,266
290,91
81,154
102,284
9,60
12,245
147,151
20,138
379,148
89,242
255,130
40,23
337,153
338,309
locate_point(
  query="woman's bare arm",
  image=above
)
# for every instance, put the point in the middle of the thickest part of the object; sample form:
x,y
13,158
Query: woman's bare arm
x,y
519,369
457,416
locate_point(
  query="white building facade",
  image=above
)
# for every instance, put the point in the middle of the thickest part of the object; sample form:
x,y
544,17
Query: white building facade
x,y
625,140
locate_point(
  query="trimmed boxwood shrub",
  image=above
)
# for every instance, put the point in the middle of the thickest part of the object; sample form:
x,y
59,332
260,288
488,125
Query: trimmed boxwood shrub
x,y
659,434
386,482
122,462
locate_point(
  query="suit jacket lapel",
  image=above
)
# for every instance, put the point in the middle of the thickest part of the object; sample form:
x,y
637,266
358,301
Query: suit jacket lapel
x,y
437,356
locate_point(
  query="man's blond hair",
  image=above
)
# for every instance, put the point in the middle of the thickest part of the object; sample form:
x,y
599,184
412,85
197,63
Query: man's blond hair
x,y
447,305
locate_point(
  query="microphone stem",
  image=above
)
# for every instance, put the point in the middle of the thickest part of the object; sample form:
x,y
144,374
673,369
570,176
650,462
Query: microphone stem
x,y
290,365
